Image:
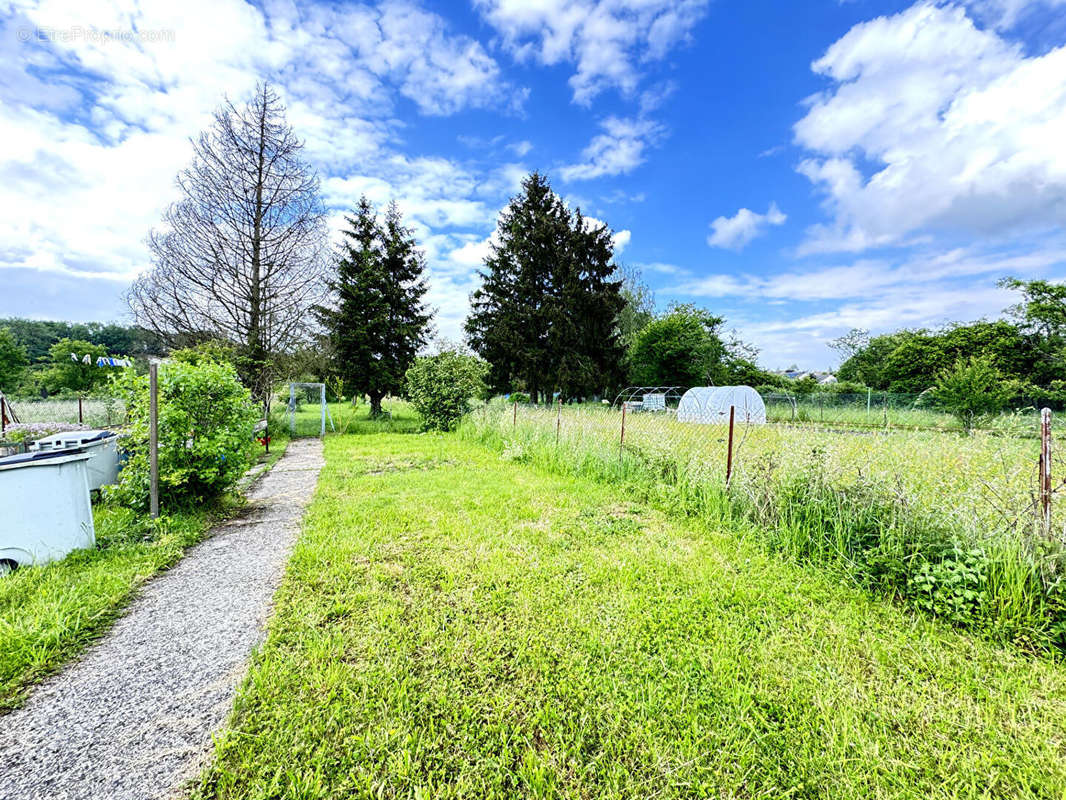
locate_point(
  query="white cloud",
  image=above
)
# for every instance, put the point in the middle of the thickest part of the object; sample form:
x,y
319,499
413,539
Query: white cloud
x,y
618,150
962,129
521,149
879,277
815,305
663,268
606,40
735,232
621,241
91,150
1007,13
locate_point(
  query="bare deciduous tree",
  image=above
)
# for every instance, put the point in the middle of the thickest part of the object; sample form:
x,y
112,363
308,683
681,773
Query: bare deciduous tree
x,y
241,256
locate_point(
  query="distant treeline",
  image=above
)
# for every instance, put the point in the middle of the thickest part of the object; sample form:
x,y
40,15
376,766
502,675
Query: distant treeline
x,y
37,336
1027,349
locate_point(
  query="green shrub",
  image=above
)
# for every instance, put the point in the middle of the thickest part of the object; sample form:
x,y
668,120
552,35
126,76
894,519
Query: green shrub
x,y
972,391
441,387
519,397
206,424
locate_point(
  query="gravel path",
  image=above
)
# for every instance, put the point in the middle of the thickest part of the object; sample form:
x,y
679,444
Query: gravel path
x,y
134,718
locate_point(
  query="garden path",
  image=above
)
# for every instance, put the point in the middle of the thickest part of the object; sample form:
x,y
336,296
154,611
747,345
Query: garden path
x,y
135,716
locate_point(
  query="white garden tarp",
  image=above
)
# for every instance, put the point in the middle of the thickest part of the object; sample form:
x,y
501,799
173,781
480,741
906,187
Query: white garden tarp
x,y
710,404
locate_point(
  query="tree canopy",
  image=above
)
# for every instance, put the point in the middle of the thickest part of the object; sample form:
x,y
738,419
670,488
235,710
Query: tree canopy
x,y
13,360
241,256
546,316
378,320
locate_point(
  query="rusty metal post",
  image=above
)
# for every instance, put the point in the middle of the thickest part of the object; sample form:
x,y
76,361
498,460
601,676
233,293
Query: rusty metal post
x,y
81,416
558,419
1045,469
153,438
729,448
622,438
514,422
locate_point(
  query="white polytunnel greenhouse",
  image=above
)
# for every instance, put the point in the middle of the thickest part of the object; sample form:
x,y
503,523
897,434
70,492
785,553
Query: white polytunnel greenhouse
x,y
710,404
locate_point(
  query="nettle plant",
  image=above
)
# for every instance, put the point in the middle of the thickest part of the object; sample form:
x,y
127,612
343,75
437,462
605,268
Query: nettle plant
x,y
206,433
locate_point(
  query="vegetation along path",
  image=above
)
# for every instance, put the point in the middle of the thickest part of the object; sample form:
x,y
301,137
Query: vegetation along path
x,y
455,623
134,717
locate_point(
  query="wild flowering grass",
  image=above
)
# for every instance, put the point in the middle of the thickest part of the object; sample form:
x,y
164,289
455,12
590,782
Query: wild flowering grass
x,y
895,411
943,521
96,411
31,431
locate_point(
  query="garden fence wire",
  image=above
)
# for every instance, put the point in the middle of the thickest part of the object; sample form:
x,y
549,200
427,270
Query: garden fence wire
x,y
985,484
92,412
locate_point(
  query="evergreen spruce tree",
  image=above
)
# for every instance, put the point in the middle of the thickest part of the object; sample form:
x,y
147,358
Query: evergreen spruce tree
x,y
378,321
545,317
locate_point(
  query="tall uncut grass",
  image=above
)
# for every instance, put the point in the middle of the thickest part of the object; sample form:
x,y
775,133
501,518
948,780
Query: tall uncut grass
x,y
944,522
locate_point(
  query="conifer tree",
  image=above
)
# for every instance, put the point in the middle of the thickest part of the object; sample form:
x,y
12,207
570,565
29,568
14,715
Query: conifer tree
x,y
545,316
378,321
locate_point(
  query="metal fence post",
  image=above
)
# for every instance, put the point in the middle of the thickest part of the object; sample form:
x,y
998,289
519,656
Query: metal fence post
x,y
3,416
322,432
292,409
558,419
1045,469
153,438
81,414
729,448
622,438
514,421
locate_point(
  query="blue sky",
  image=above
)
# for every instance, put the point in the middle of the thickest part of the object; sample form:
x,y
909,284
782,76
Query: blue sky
x,y
801,168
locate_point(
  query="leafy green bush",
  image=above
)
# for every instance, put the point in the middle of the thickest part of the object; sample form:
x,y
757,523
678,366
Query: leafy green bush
x,y
973,390
206,424
441,387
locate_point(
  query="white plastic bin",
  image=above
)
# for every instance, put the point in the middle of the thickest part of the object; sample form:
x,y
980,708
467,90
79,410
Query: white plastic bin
x,y
44,507
101,445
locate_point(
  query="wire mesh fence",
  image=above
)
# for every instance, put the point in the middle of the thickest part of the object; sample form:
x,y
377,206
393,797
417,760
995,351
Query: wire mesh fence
x,y
871,410
984,484
93,412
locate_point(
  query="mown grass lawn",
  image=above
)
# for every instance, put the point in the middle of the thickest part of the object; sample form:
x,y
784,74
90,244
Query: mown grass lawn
x,y
48,614
453,625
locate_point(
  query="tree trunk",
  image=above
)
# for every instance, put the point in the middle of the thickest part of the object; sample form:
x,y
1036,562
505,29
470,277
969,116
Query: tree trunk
x,y
255,306
375,404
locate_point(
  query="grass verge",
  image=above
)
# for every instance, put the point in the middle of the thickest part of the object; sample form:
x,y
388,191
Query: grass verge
x,y
48,614
453,625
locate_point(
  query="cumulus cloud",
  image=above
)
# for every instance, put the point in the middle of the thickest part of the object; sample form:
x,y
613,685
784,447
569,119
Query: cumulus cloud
x,y
618,150
962,129
95,129
606,40
1007,13
816,304
735,232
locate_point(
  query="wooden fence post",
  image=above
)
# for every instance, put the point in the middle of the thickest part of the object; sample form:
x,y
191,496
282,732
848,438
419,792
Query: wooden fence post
x,y
81,415
3,416
558,419
1045,470
729,448
514,421
153,438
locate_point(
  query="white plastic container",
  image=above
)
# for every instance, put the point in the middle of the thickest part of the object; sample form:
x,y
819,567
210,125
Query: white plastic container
x,y
44,507
101,445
